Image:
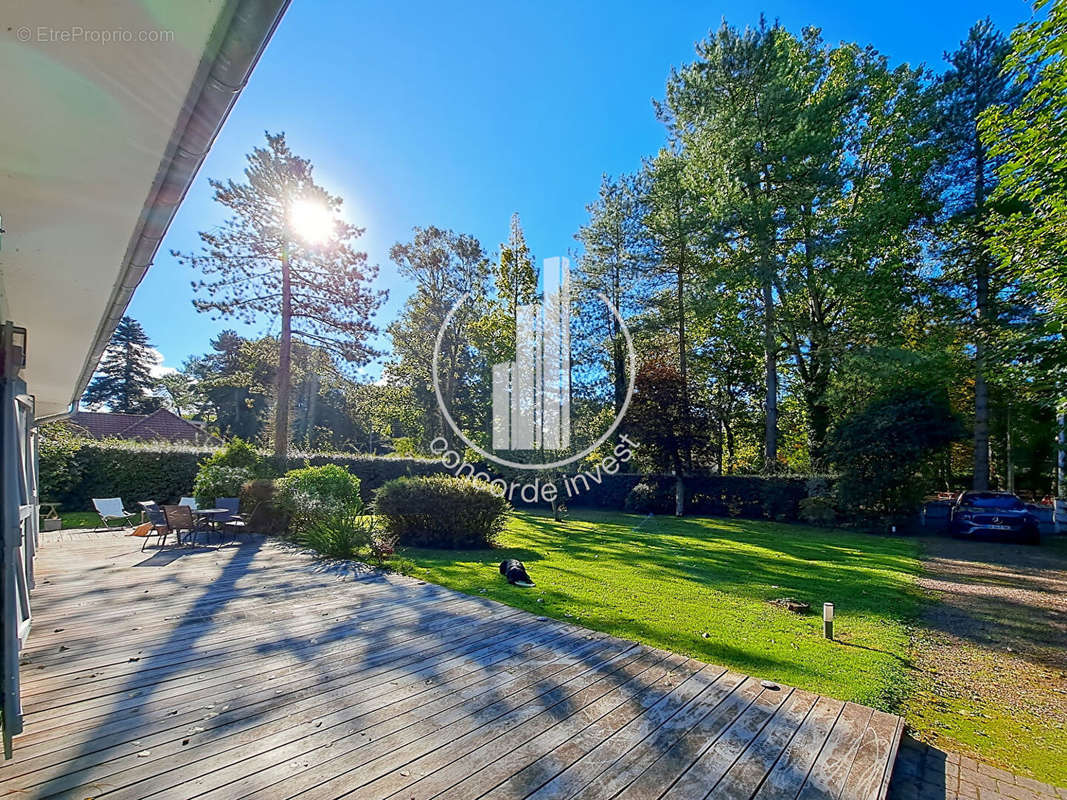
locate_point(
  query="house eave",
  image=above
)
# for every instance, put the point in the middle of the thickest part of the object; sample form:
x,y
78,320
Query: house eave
x,y
235,48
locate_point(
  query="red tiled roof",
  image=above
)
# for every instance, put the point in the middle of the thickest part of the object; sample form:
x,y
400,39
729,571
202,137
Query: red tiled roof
x,y
159,425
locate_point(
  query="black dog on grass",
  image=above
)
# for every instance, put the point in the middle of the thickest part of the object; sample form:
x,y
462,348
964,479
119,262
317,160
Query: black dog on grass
x,y
515,572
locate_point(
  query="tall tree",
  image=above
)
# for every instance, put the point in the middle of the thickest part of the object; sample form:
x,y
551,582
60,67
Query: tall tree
x,y
975,81
235,379
444,266
284,253
856,200
677,225
1030,142
736,113
661,415
179,393
616,249
124,381
516,275
1030,234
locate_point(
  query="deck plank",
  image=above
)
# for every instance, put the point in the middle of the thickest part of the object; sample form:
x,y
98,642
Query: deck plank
x,y
256,671
784,780
749,771
827,779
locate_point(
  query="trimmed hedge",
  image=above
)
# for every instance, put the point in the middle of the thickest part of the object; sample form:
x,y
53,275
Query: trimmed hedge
x,y
73,474
165,472
750,496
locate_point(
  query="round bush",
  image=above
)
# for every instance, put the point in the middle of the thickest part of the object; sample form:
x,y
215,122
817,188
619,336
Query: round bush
x,y
642,499
313,493
237,453
218,481
441,511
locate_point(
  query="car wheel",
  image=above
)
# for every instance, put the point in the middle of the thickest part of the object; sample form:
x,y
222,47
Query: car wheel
x,y
1032,535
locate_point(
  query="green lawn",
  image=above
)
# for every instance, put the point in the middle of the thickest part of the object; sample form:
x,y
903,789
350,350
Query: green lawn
x,y
80,519
701,587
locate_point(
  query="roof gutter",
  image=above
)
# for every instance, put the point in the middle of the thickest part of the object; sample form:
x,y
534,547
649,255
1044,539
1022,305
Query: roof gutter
x,y
241,34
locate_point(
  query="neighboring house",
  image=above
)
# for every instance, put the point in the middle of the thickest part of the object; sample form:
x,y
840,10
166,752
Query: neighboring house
x,y
100,142
160,425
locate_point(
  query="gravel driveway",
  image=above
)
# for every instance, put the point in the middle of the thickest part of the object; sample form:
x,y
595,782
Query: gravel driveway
x,y
990,654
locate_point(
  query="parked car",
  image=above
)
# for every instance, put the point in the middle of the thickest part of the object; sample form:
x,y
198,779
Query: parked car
x,y
992,514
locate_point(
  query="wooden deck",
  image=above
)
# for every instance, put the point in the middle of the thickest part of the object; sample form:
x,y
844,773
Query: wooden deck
x,y
254,671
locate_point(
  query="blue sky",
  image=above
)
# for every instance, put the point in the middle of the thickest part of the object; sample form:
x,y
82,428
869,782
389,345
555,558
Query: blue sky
x,y
458,114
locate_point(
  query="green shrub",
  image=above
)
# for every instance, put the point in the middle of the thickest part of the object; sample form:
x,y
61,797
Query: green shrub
x,y
643,499
817,511
241,455
441,511
133,471
314,493
225,471
165,471
880,450
340,534
219,481
259,498
59,469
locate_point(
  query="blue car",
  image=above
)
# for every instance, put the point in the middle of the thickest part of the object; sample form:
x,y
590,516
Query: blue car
x,y
992,515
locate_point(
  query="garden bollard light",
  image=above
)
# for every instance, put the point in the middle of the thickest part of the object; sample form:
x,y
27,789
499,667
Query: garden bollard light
x,y
828,620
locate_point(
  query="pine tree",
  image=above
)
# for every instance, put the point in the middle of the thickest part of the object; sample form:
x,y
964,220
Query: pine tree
x,y
263,263
975,82
516,279
124,381
616,251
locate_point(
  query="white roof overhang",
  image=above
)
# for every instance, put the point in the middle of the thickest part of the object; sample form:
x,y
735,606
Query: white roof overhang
x,y
108,110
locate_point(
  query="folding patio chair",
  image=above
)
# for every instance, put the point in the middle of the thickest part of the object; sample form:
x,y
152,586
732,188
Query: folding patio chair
x,y
160,528
188,501
110,508
180,518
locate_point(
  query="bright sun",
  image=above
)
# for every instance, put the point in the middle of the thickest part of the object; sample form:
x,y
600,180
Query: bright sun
x,y
311,221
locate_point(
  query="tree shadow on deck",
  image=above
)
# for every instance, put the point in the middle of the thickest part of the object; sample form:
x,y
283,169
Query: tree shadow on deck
x,y
397,666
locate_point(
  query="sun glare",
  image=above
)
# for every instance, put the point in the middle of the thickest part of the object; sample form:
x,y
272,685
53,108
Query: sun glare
x,y
311,221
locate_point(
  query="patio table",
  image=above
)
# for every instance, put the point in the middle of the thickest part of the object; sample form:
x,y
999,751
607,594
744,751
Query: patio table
x,y
207,516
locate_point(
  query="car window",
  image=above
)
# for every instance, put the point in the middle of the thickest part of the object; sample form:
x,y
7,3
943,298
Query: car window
x,y
1005,501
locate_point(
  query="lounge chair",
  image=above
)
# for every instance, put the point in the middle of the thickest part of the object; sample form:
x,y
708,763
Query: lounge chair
x,y
110,508
160,528
188,501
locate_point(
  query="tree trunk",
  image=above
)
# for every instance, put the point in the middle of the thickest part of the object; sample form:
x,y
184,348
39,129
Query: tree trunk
x,y
818,410
720,449
312,410
679,495
683,366
731,459
1061,450
618,354
770,356
285,346
1008,455
983,312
